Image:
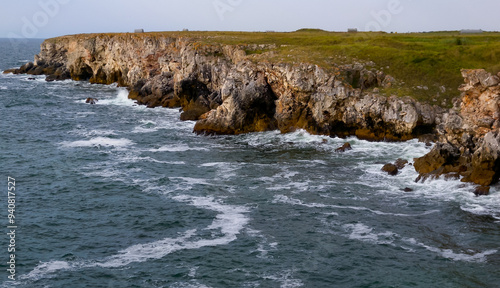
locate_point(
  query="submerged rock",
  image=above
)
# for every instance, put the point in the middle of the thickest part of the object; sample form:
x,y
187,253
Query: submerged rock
x,y
345,147
482,191
91,101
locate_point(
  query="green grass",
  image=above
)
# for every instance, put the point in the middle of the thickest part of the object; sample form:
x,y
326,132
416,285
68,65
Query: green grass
x,y
416,59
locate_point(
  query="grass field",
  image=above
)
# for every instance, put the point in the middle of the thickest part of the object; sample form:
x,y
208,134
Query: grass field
x,y
430,60
425,60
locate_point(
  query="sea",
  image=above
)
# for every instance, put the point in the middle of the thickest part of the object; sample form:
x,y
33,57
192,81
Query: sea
x,y
120,195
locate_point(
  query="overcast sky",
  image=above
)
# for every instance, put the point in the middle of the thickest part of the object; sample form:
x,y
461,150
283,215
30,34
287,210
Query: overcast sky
x,y
50,18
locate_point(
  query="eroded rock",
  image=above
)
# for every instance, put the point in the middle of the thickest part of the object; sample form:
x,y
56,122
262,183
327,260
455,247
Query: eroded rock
x,y
391,169
469,140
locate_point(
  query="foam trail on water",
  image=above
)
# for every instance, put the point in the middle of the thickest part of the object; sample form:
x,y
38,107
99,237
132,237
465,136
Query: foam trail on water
x,y
288,200
99,142
364,233
121,99
178,148
450,254
227,225
286,279
94,133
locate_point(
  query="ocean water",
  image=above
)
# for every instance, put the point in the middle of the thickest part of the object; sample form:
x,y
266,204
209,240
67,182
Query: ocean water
x,y
119,195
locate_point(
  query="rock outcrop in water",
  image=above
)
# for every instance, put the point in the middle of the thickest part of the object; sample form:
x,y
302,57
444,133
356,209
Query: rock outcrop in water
x,y
226,92
469,136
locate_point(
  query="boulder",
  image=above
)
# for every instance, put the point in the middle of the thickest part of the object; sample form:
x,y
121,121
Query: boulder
x,y
401,163
439,156
91,101
391,169
482,191
479,77
345,147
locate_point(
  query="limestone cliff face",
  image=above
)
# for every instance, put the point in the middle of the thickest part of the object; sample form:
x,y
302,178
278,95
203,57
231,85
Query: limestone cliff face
x,y
228,93
469,136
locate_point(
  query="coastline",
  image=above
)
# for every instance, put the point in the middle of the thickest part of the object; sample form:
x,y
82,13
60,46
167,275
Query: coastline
x,y
227,91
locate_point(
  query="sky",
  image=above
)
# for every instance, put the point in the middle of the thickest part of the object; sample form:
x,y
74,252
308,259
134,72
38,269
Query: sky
x,y
50,18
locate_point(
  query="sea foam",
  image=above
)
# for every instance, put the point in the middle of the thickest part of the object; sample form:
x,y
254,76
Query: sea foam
x,y
228,223
99,142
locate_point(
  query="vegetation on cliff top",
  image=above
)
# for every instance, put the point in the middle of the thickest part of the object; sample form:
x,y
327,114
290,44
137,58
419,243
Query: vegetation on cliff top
x,y
427,65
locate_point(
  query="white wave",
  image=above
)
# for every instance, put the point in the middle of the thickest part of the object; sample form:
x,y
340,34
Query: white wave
x,y
40,79
263,246
225,170
228,223
433,190
364,233
147,126
178,148
3,88
93,133
230,220
388,150
121,99
99,142
140,129
135,159
190,284
214,164
314,162
286,279
186,183
296,186
302,136
450,254
275,137
288,200
84,114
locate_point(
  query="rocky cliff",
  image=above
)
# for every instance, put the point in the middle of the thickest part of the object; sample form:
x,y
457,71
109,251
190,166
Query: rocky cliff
x,y
469,135
227,92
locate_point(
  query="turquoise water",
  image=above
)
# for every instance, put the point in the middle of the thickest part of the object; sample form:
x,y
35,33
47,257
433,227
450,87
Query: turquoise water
x,y
118,195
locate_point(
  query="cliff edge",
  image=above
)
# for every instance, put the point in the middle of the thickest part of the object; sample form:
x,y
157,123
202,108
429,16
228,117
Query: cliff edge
x,y
227,92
